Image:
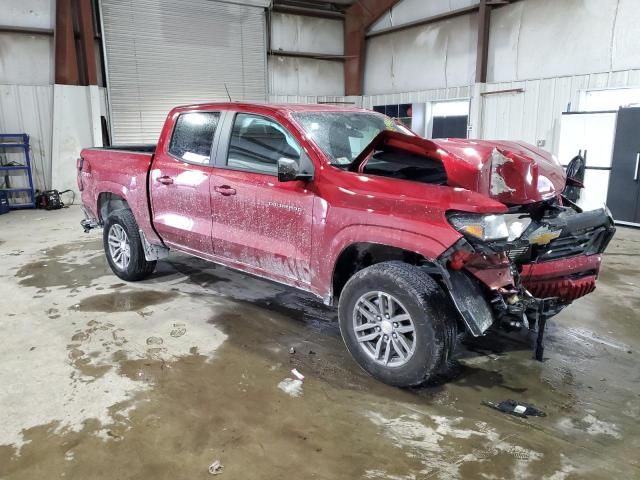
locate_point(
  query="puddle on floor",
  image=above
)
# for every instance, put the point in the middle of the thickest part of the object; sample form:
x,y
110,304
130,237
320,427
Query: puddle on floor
x,y
72,265
123,301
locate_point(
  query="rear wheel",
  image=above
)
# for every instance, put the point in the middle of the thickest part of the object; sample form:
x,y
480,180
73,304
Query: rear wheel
x,y
123,247
397,323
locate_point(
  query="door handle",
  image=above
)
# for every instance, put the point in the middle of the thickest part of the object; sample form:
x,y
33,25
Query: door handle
x,y
225,190
635,175
165,180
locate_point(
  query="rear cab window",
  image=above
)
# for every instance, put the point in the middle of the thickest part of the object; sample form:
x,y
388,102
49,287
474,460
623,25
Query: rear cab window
x,y
192,137
257,143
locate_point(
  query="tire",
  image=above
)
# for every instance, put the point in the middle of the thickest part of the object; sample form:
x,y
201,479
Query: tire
x,y
430,314
136,267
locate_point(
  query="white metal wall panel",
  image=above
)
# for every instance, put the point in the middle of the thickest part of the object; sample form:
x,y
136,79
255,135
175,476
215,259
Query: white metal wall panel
x,y
162,53
423,57
550,38
305,76
299,33
407,11
29,109
434,95
534,115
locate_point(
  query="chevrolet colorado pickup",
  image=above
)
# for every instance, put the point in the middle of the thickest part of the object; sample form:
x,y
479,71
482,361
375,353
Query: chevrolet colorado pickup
x,y
416,241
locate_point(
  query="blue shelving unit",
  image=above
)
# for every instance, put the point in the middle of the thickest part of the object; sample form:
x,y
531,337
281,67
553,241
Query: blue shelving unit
x,y
17,141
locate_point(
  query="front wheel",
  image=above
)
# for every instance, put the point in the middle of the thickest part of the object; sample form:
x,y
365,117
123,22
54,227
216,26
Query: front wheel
x,y
397,323
123,247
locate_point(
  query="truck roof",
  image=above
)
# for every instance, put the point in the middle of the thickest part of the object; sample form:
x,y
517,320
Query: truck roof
x,y
275,107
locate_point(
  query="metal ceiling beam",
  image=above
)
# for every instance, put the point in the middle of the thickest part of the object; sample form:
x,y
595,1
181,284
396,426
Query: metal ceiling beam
x,y
315,56
359,17
425,21
308,12
440,17
26,30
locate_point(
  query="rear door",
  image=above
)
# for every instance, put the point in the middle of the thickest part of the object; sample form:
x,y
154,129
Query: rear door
x,y
258,221
179,182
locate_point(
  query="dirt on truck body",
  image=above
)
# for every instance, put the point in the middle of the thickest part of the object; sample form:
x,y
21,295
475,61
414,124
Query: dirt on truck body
x,y
414,240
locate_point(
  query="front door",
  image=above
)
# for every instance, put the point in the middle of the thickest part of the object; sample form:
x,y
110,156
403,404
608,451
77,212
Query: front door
x,y
258,221
180,183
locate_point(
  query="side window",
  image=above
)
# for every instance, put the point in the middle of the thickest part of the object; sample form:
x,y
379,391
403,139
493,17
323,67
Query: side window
x,y
257,143
193,135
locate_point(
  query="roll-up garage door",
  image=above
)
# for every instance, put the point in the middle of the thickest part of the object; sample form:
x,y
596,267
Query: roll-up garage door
x,y
163,53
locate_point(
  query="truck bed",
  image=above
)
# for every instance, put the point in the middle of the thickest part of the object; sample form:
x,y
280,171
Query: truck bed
x,y
139,148
120,170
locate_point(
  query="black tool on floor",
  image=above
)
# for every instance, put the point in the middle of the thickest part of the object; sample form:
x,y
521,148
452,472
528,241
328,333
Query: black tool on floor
x,y
517,409
51,199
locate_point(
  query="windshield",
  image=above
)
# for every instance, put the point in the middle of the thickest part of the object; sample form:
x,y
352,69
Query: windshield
x,y
342,136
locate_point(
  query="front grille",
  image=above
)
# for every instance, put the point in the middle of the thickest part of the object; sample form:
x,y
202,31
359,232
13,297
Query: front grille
x,y
514,253
576,243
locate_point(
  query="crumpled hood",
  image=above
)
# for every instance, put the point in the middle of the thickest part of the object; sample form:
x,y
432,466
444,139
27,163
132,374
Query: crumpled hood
x,y
513,173
510,172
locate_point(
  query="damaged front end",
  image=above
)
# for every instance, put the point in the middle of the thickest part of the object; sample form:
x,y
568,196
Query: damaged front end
x,y
519,269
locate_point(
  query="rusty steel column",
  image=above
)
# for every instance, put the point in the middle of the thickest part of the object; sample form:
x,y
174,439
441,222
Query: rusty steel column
x,y
87,48
359,17
482,52
66,60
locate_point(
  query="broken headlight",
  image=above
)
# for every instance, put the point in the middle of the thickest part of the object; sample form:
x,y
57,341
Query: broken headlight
x,y
490,227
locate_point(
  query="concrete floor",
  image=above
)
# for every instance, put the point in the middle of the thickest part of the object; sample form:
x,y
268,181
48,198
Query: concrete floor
x,y
104,379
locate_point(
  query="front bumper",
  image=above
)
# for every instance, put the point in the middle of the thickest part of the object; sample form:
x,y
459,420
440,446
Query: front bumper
x,y
566,278
567,266
555,262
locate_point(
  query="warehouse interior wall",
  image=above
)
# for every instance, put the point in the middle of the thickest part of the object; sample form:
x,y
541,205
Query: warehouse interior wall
x,y
546,53
59,119
26,81
600,49
438,55
295,72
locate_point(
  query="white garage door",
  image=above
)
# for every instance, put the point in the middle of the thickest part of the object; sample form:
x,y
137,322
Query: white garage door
x,y
163,53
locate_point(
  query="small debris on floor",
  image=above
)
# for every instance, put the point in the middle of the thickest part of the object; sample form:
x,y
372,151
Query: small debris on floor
x,y
517,409
291,387
298,375
216,468
292,350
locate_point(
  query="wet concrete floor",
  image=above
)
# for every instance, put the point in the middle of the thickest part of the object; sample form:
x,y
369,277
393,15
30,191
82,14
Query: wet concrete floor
x,y
106,379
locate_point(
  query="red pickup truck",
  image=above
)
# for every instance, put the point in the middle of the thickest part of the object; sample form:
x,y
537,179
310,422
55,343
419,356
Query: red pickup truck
x,y
415,240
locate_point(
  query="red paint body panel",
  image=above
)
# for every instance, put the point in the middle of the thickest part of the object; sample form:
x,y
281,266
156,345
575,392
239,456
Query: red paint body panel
x,y
121,173
293,232
530,175
567,278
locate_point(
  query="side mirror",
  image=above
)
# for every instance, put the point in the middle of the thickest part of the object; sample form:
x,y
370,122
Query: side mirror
x,y
289,170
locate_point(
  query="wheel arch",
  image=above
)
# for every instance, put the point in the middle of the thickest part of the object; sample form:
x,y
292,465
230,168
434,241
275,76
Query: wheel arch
x,y
359,255
109,202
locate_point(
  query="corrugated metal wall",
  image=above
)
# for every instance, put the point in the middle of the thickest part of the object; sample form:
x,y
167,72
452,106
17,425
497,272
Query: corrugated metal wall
x,y
534,115
29,109
162,53
434,95
353,101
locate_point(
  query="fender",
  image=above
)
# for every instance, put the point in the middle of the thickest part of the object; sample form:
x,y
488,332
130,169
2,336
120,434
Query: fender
x,y
136,198
428,247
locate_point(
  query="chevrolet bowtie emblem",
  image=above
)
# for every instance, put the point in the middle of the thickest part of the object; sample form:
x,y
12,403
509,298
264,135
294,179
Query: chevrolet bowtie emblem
x,y
543,236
